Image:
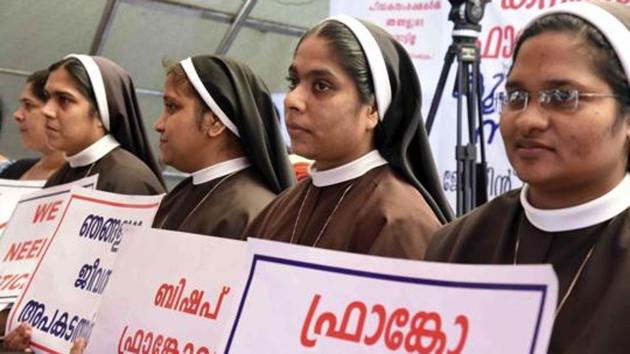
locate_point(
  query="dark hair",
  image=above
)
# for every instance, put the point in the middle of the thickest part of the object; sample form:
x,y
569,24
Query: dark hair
x,y
603,57
176,72
351,56
81,78
38,81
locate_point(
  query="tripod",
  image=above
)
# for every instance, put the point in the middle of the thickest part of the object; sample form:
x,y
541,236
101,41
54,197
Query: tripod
x,y
471,175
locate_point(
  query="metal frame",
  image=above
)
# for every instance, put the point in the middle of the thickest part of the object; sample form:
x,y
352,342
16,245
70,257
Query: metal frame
x,y
239,20
172,6
104,25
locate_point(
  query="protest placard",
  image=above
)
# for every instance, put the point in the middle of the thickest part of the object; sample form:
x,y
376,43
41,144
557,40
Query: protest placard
x,y
305,300
62,296
175,292
26,235
10,193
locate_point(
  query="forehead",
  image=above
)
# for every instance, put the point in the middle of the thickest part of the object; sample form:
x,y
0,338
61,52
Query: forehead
x,y
314,53
553,57
177,86
61,80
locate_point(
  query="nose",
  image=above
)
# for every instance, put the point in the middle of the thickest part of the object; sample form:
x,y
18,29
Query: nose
x,y
532,119
48,109
159,124
294,101
18,115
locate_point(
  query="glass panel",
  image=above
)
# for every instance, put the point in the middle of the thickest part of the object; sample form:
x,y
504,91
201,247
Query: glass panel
x,y
37,33
268,55
303,13
141,38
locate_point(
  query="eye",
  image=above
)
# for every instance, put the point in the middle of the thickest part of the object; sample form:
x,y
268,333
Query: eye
x,y
170,107
514,100
63,100
292,81
562,95
516,96
562,98
321,86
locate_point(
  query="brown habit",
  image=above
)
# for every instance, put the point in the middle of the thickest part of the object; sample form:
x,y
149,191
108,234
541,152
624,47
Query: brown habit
x,y
119,172
596,315
381,214
217,208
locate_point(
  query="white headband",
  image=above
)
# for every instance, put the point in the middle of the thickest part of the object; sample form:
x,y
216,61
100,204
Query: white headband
x,y
194,79
611,27
94,73
376,61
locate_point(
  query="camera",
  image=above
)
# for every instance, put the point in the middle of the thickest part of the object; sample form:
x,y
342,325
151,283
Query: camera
x,y
466,14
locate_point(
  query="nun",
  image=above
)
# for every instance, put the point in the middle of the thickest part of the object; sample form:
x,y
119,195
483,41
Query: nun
x,y
353,107
220,125
92,115
565,122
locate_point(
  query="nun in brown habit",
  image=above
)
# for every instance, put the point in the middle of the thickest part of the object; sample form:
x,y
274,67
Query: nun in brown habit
x,y
566,127
93,116
220,125
353,106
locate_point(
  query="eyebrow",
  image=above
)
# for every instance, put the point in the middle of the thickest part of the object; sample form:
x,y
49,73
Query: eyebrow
x,y
312,73
60,93
554,83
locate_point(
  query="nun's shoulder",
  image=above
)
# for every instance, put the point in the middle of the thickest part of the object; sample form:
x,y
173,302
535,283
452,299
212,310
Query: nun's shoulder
x,y
246,191
480,221
389,192
124,173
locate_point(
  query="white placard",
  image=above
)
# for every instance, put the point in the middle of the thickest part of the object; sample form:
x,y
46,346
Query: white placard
x,y
62,297
10,192
305,300
27,234
171,290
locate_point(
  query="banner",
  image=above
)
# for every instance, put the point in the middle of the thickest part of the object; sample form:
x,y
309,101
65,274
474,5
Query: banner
x,y
178,291
28,233
62,296
299,299
10,192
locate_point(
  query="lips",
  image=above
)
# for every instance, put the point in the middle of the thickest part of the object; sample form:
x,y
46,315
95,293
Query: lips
x,y
294,129
531,148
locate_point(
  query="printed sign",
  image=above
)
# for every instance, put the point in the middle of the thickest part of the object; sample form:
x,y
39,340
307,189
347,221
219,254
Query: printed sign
x,y
320,301
10,193
62,297
171,291
27,235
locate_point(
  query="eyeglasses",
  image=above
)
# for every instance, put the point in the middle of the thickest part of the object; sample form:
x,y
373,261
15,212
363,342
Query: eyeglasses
x,y
558,100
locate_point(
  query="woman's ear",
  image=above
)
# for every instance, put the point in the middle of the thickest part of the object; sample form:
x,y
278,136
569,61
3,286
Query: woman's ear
x,y
372,116
211,125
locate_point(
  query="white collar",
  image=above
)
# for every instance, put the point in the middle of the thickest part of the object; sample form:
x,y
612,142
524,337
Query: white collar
x,y
351,170
580,216
219,170
93,152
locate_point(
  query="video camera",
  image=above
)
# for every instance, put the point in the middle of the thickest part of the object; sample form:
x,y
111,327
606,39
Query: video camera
x,y
466,14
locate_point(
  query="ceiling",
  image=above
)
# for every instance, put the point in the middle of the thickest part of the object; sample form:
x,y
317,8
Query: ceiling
x,y
140,35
